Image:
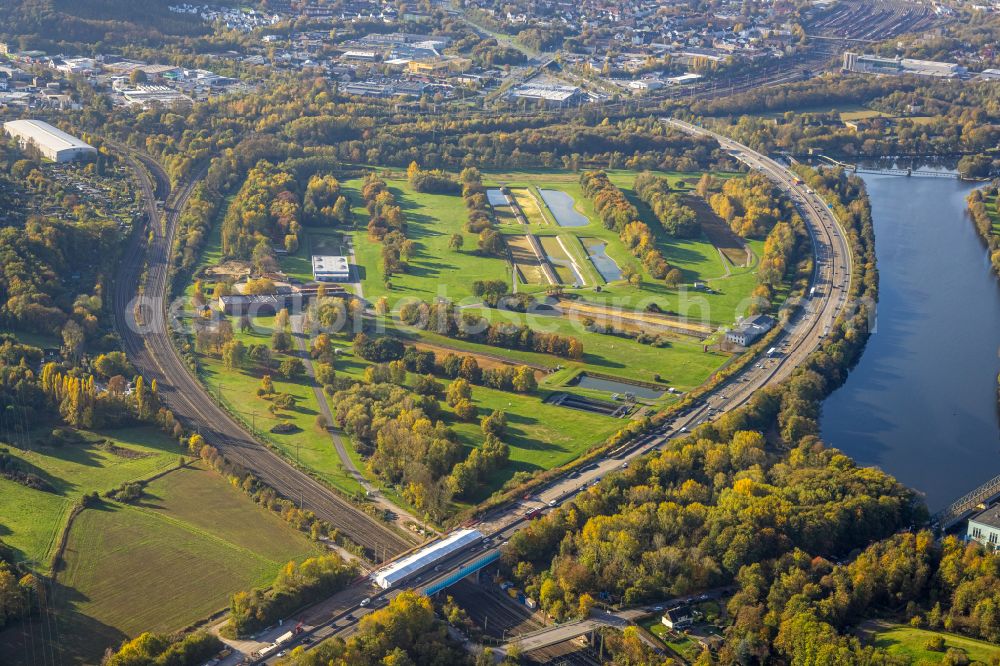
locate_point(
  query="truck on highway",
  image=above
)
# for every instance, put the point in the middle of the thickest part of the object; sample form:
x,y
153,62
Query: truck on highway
x,y
772,352
812,292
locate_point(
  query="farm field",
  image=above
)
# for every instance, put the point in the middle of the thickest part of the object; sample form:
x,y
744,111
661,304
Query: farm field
x,y
168,561
908,642
32,520
176,556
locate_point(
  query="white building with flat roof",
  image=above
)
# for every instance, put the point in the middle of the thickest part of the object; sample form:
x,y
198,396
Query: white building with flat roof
x,y
328,268
53,143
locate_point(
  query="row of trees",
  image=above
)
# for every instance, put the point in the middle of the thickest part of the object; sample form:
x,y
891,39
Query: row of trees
x,y
444,318
433,181
294,587
149,649
618,214
984,221
676,218
748,205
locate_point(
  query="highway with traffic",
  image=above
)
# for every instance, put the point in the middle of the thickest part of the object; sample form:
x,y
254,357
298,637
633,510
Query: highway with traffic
x,y
800,336
142,325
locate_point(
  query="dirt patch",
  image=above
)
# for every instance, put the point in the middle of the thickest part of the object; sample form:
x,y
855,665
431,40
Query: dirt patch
x,y
627,319
121,451
718,232
485,362
525,260
232,269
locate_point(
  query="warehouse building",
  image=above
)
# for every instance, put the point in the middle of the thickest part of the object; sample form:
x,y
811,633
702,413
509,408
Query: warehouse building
x,y
424,558
871,64
53,143
330,268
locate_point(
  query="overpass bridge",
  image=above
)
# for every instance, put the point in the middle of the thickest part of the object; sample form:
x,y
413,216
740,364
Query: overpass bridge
x,y
467,570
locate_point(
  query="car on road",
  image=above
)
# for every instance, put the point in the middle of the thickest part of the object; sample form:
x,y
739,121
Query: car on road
x,y
552,503
366,601
349,616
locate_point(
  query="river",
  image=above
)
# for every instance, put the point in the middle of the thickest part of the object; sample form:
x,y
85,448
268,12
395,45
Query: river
x,y
921,403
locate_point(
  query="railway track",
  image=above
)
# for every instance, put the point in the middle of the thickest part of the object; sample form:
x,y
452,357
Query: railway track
x,y
142,326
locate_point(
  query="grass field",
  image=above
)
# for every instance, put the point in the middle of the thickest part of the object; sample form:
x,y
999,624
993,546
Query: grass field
x,y
309,445
162,564
31,520
908,642
175,558
541,436
436,270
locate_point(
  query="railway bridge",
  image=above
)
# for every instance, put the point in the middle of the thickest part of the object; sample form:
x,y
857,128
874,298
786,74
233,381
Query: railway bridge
x,y
965,506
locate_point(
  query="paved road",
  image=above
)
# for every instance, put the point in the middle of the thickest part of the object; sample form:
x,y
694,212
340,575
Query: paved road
x,y
143,331
800,338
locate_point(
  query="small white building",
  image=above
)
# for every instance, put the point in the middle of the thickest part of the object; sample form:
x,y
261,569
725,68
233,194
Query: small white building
x,y
331,268
984,527
676,618
51,142
750,330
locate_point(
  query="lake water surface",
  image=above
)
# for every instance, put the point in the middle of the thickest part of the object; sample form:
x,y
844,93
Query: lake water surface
x,y
921,403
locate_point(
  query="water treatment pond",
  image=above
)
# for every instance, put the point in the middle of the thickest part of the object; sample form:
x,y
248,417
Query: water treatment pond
x,y
561,205
605,265
496,197
584,380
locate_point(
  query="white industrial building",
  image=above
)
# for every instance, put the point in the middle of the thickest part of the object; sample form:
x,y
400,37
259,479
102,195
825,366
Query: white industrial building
x,y
551,94
328,268
872,64
53,143
424,558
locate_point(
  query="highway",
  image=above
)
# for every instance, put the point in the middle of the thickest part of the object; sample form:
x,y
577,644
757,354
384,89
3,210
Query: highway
x,y
800,337
142,327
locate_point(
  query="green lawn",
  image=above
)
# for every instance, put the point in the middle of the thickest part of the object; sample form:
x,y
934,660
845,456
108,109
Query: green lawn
x,y
32,520
237,388
678,642
908,642
541,436
436,270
